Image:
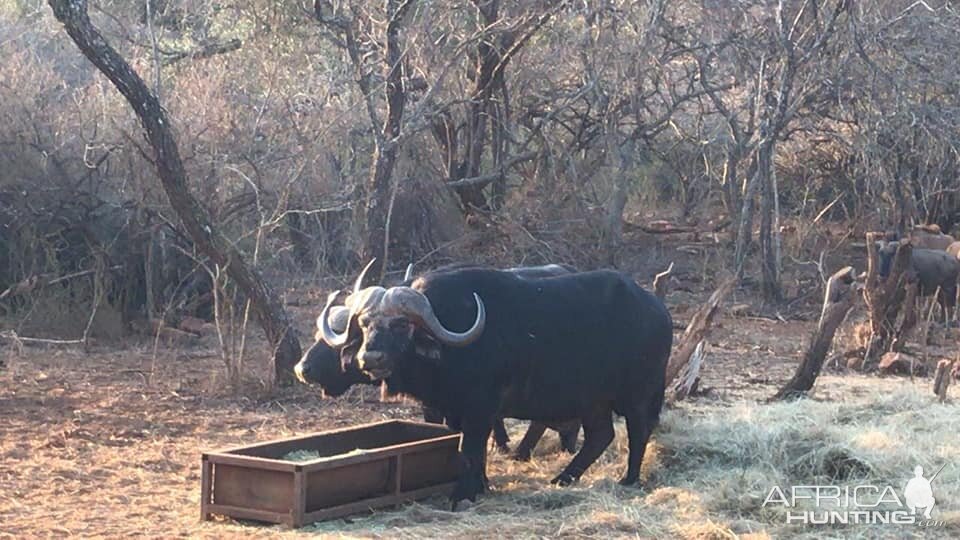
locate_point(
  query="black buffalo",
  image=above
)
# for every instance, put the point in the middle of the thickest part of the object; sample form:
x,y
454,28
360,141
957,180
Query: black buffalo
x,y
321,365
479,344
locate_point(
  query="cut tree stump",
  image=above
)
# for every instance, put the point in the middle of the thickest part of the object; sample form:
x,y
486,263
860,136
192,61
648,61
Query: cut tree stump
x,y
884,297
941,379
841,291
697,330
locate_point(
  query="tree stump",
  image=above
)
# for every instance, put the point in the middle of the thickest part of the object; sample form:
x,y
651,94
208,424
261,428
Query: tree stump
x,y
837,302
941,379
884,297
909,322
689,375
697,330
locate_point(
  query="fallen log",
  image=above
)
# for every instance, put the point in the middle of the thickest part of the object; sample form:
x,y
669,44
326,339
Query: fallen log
x,y
837,302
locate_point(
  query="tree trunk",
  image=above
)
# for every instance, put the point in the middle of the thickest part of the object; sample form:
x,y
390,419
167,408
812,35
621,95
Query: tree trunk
x,y
899,341
730,184
884,298
769,256
837,303
375,241
488,77
745,228
625,159
267,306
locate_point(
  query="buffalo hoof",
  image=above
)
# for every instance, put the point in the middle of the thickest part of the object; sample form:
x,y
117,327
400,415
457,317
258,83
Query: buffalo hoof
x,y
630,482
564,479
503,449
467,489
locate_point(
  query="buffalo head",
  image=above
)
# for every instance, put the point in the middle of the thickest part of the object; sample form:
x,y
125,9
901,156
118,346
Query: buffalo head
x,y
321,364
385,324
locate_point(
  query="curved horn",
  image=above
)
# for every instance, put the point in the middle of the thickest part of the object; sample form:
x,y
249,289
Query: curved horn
x,y
330,336
339,318
358,285
417,306
408,274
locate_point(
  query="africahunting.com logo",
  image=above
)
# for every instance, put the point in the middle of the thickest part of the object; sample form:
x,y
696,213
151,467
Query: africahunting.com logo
x,y
866,504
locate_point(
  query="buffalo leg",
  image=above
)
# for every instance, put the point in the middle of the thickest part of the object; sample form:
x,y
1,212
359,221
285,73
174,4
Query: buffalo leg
x,y
597,436
638,433
500,437
568,436
472,463
529,442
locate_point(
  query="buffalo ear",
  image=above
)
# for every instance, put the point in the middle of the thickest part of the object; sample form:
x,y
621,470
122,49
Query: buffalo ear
x,y
426,346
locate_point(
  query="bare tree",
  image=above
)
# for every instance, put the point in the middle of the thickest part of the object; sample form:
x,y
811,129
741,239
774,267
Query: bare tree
x,y
267,306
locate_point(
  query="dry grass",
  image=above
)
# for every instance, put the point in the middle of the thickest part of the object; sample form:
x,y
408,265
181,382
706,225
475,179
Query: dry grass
x,y
88,449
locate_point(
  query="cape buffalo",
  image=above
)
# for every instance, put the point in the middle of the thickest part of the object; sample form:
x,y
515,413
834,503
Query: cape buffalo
x,y
935,269
479,344
321,365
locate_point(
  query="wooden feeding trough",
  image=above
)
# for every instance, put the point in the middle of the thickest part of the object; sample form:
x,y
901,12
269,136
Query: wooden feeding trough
x,y
350,470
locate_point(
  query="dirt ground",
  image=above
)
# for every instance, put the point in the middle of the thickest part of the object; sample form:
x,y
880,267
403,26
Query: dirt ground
x,y
107,443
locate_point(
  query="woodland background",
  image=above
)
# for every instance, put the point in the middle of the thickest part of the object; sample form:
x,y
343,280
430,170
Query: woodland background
x,y
318,136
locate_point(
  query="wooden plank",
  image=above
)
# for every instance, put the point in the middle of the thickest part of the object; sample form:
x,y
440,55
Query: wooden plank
x,y
301,438
206,474
237,512
347,484
259,489
429,467
299,497
252,462
379,502
380,453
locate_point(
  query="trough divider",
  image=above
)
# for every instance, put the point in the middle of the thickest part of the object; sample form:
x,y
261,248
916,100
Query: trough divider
x,y
397,473
299,496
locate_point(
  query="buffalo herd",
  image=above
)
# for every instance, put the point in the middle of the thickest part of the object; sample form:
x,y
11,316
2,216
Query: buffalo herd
x,y
934,261
562,348
474,344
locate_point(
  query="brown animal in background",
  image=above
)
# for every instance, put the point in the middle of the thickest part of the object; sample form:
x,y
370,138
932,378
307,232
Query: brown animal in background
x,y
954,250
930,237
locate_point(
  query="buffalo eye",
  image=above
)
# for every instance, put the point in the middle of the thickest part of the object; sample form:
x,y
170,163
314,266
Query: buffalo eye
x,y
399,326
